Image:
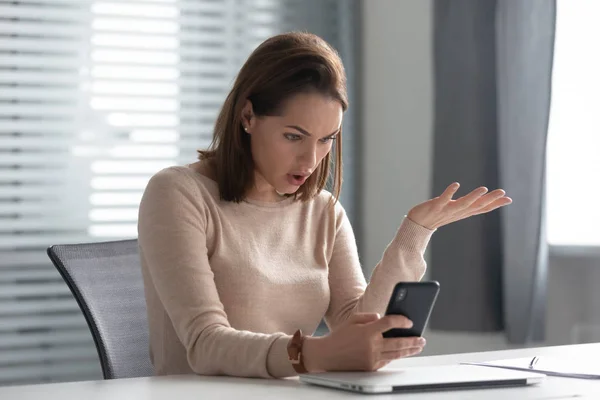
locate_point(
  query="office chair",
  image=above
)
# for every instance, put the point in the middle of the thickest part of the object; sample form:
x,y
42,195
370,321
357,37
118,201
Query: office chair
x,y
106,280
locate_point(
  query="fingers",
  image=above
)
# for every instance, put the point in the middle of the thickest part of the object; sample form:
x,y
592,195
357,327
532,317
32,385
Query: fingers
x,y
363,318
470,199
394,348
478,199
501,202
396,344
449,192
391,321
473,197
394,355
489,198
489,202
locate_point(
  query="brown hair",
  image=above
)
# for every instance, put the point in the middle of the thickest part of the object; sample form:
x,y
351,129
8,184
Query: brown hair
x,y
281,67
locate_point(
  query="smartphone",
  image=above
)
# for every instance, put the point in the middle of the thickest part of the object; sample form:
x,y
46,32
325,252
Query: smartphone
x,y
415,301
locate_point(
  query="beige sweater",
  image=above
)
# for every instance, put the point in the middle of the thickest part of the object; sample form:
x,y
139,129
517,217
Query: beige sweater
x,y
227,284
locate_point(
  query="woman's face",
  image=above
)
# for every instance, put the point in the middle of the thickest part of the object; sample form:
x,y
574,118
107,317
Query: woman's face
x,y
287,149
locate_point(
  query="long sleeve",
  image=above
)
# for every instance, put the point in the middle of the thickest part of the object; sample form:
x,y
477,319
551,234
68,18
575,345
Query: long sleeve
x,y
402,261
173,242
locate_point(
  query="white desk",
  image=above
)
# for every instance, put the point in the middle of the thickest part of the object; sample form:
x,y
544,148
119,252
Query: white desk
x,y
196,387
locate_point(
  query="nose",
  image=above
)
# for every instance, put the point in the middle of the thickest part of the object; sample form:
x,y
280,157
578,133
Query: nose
x,y
308,157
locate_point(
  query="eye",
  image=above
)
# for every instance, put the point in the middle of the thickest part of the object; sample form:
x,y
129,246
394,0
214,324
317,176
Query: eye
x,y
328,139
293,137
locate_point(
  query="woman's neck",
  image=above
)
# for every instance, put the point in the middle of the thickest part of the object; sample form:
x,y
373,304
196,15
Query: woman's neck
x,y
263,191
260,191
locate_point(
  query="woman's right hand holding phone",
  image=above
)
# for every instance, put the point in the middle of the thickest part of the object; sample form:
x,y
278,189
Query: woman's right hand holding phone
x,y
358,345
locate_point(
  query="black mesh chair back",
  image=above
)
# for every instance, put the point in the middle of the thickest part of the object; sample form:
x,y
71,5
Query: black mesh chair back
x,y
106,280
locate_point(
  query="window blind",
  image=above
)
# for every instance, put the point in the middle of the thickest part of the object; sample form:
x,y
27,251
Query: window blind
x,y
95,97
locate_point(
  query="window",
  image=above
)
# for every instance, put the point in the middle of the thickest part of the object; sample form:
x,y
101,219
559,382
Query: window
x,y
95,97
573,164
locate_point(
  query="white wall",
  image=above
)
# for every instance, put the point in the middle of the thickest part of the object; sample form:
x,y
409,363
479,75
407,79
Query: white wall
x,y
397,119
397,127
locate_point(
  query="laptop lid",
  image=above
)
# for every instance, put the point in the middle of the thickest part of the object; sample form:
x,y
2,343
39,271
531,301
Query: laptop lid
x,y
416,379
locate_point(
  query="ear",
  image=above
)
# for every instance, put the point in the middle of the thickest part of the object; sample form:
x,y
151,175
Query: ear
x,y
248,119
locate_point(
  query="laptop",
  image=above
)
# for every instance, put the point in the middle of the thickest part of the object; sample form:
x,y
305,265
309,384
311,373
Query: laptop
x,y
417,379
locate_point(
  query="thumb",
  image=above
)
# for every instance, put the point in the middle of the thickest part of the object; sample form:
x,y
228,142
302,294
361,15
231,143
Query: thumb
x,y
363,318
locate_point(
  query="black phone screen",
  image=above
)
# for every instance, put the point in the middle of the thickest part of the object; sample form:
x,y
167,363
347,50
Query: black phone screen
x,y
414,300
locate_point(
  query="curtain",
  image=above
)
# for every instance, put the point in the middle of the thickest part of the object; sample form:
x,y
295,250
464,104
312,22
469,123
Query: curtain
x,y
493,65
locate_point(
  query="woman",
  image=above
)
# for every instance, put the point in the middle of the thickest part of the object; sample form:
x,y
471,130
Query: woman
x,y
243,249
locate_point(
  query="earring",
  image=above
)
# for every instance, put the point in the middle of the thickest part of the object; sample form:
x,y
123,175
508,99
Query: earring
x,y
246,128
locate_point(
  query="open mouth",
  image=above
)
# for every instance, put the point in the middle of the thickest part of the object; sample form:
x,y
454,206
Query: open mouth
x,y
297,180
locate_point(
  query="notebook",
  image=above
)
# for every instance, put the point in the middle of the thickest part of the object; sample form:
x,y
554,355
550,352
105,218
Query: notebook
x,y
418,379
548,366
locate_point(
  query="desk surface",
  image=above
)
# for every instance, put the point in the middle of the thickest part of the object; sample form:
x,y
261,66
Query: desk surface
x,y
197,387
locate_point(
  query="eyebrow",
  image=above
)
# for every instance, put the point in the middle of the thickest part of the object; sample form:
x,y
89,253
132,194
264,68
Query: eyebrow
x,y
306,133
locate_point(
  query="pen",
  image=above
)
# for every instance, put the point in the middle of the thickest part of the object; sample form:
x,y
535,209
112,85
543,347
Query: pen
x,y
534,361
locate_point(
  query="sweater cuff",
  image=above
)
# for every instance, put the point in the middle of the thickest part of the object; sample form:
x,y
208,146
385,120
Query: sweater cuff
x,y
412,236
278,365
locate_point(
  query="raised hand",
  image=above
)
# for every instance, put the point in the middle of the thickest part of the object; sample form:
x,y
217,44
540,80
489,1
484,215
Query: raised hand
x,y
443,210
